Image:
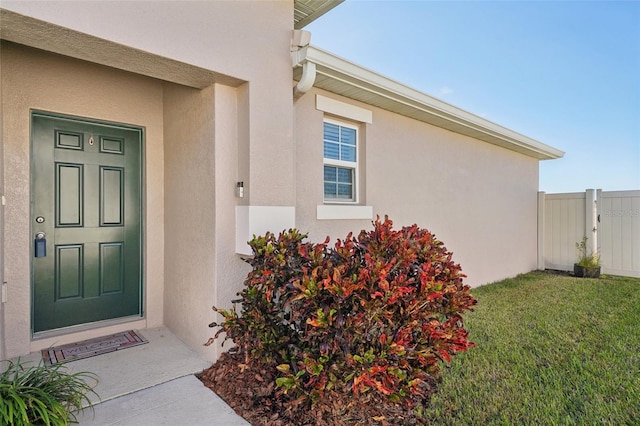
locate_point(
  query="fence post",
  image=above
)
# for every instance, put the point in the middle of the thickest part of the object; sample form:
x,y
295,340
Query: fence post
x,y
596,243
541,212
2,283
590,223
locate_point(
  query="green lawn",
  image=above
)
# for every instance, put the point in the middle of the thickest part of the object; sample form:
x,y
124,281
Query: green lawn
x,y
551,350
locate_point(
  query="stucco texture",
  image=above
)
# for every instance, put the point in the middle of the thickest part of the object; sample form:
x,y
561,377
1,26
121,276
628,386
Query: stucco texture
x,y
480,199
201,268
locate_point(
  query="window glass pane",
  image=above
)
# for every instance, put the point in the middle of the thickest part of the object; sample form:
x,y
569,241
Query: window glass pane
x,y
348,136
330,174
345,175
339,142
344,192
331,132
348,153
330,190
338,183
331,150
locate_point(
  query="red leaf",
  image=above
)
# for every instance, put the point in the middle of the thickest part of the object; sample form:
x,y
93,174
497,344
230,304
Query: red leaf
x,y
376,294
383,338
435,295
313,322
384,284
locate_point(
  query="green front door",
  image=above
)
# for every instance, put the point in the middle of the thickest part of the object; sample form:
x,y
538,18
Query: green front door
x,y
86,221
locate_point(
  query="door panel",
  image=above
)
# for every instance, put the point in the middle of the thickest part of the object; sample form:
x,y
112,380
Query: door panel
x,y
69,268
111,196
69,190
86,180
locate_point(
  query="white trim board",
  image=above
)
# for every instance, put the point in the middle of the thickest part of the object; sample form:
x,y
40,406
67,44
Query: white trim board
x,y
257,220
342,109
335,212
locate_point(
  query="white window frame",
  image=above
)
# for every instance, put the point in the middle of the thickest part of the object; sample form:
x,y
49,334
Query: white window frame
x,y
355,165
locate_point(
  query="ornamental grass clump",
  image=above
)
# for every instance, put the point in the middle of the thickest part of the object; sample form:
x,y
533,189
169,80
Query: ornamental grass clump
x,y
374,314
586,258
42,395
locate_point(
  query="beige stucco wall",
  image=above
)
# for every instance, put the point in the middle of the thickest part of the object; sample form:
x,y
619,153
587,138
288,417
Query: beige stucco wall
x,y
201,268
478,198
231,270
33,79
189,209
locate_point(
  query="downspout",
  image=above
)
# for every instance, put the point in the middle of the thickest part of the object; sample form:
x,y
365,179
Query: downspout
x,y
308,77
299,43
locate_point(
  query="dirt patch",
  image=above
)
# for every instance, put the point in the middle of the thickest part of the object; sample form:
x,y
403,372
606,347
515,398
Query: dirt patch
x,y
251,392
558,272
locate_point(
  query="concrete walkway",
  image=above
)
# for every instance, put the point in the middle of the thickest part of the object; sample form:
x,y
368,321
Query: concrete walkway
x,y
151,384
184,401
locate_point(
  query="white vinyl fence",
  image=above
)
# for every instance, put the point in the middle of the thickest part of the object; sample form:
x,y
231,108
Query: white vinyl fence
x,y
610,221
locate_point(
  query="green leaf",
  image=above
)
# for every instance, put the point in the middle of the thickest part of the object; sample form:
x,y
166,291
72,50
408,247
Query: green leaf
x,y
283,368
285,382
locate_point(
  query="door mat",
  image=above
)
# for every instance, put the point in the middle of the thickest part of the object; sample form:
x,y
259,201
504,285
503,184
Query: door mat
x,y
92,347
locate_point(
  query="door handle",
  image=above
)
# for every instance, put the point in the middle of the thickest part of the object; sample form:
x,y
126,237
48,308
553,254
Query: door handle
x,y
40,245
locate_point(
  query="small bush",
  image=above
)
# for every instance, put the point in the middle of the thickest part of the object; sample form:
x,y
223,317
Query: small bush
x,y
376,313
41,395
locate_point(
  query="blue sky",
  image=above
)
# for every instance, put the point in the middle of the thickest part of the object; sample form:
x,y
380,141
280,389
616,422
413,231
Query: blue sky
x,y
566,73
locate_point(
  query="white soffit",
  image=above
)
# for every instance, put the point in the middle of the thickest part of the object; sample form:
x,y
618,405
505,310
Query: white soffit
x,y
307,11
339,76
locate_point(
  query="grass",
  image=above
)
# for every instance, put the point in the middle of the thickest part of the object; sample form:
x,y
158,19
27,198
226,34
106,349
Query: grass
x,y
551,350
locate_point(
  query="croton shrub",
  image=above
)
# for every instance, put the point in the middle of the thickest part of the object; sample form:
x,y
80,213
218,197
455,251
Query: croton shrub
x,y
374,313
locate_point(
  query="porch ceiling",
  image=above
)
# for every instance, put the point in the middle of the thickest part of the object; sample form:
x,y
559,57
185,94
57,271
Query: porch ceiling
x,y
307,11
339,76
43,35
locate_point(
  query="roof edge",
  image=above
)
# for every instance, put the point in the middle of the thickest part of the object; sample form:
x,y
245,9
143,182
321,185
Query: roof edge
x,y
307,11
424,107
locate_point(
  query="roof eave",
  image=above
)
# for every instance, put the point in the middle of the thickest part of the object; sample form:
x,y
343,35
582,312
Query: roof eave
x,y
307,11
345,78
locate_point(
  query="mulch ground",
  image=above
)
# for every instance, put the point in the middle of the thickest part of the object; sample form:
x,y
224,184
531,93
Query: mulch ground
x,y
251,392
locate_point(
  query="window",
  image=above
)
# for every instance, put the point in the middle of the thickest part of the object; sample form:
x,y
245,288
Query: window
x,y
344,168
340,161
